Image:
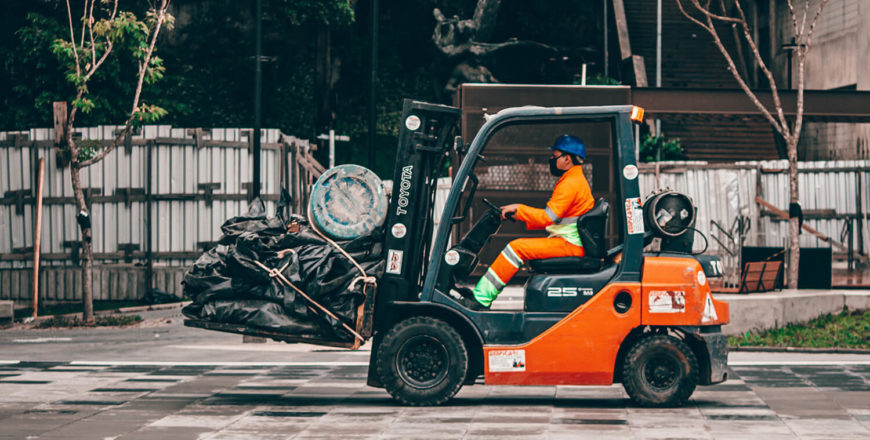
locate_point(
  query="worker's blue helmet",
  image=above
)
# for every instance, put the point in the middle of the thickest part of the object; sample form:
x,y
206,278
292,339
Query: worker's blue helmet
x,y
571,145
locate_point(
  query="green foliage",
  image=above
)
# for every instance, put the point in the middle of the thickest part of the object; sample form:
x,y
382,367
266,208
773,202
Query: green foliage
x,y
31,78
148,114
601,80
123,32
670,148
88,149
318,12
204,74
843,330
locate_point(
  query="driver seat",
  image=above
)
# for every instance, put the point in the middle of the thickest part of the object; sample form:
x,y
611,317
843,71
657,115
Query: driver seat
x,y
592,227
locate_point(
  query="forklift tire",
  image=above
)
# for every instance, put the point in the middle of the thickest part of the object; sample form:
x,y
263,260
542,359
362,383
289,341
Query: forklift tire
x,y
422,361
660,371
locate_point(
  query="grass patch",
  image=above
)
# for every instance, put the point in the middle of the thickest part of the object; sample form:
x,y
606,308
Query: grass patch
x,y
99,321
844,330
63,309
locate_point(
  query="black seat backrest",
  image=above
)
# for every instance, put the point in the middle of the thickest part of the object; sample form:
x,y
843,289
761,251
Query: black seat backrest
x,y
592,227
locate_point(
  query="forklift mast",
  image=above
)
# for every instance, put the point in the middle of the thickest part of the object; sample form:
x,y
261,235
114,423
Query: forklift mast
x,y
424,144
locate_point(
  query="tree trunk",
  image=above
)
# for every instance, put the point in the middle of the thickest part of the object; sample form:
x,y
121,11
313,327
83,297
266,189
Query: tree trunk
x,y
87,256
794,228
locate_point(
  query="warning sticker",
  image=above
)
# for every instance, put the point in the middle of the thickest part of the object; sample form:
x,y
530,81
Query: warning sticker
x,y
709,311
634,215
394,261
501,361
667,301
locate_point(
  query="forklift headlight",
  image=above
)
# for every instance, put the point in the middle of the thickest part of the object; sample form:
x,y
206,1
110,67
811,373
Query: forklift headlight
x,y
637,114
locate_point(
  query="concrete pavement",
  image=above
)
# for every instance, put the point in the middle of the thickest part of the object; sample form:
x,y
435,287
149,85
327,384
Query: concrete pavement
x,y
165,400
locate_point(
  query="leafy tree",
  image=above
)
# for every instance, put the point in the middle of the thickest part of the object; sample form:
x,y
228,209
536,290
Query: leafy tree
x,y
104,31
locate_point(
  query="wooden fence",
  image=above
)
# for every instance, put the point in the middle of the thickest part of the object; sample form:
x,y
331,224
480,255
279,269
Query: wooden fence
x,y
156,203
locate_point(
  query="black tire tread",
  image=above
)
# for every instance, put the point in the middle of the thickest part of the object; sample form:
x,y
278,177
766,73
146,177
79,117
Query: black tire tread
x,y
630,369
395,386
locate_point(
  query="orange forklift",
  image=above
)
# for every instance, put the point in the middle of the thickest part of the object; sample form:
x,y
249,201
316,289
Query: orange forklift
x,y
618,315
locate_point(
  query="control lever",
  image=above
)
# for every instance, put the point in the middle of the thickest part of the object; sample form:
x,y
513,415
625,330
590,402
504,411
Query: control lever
x,y
495,208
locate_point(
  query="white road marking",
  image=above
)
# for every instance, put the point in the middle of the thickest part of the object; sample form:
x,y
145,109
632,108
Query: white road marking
x,y
222,364
40,340
270,347
789,363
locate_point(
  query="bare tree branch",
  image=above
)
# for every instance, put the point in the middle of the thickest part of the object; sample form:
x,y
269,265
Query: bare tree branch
x,y
91,34
695,20
711,29
706,11
813,25
804,22
143,67
109,45
802,51
72,38
774,92
744,70
794,20
84,16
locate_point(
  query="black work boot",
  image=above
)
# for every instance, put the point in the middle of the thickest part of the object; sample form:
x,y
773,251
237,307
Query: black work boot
x,y
473,304
465,292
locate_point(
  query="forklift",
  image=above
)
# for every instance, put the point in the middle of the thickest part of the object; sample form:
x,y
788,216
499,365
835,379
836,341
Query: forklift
x,y
618,315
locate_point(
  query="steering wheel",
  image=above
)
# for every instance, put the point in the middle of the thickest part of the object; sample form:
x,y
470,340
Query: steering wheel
x,y
496,210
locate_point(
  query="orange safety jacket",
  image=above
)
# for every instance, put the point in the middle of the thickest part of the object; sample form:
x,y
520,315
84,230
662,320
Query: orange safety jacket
x,y
572,197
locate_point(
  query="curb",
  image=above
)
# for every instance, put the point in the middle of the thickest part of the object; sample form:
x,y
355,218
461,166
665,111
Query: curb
x,y
120,311
800,350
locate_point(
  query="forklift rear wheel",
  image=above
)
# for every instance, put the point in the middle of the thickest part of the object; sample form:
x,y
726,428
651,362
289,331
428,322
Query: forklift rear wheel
x,y
660,371
422,361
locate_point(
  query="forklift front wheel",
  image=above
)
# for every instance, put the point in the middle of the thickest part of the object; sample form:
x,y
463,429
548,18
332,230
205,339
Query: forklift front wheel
x,y
422,361
660,371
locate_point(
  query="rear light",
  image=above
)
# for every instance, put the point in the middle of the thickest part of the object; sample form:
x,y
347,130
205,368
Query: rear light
x,y
637,114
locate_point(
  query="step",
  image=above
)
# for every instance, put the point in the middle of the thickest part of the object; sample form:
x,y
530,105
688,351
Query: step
x,y
6,310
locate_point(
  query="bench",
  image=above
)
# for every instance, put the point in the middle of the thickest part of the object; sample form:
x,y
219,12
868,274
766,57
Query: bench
x,y
7,311
758,276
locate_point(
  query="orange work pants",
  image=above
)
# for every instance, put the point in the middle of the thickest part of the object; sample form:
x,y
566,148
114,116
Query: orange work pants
x,y
514,256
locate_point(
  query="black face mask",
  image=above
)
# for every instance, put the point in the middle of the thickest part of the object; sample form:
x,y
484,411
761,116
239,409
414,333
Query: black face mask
x,y
553,169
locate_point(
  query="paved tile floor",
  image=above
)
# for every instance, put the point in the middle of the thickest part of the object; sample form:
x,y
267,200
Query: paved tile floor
x,y
57,400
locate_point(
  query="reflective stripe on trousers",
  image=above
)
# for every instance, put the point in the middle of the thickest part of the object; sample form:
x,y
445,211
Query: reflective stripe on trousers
x,y
514,255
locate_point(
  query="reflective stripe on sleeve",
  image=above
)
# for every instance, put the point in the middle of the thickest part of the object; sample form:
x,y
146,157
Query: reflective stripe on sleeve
x,y
552,215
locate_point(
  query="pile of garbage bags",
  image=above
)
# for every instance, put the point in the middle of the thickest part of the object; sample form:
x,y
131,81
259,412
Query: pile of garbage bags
x,y
226,284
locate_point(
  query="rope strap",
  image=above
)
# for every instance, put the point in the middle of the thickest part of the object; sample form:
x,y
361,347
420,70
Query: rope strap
x,y
277,273
364,276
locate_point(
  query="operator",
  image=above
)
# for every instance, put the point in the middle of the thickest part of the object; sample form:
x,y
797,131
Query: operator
x,y
571,198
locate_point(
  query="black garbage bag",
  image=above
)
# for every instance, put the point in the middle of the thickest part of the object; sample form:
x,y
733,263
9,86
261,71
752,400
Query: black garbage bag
x,y
229,284
266,314
157,296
